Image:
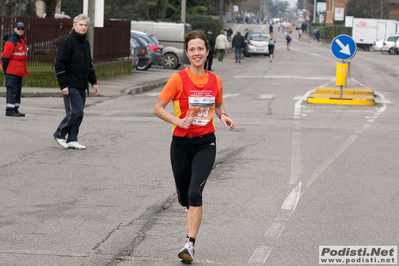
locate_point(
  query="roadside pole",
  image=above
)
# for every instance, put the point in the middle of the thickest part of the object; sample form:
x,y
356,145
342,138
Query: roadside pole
x,y
183,11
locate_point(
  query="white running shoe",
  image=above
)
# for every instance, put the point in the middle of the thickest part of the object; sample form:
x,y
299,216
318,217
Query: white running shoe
x,y
61,142
76,145
187,253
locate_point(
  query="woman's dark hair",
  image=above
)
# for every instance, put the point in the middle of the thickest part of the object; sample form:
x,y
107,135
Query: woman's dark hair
x,y
194,35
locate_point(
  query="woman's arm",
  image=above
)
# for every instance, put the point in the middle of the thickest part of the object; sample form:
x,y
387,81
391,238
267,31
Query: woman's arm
x,y
159,110
220,112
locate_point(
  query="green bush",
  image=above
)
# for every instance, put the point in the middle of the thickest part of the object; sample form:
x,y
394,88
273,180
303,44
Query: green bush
x,y
328,33
204,22
46,77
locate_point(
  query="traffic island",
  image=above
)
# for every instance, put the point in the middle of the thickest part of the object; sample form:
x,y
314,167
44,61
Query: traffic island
x,y
350,96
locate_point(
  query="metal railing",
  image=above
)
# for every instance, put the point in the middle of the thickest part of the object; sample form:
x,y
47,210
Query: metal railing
x,y
111,42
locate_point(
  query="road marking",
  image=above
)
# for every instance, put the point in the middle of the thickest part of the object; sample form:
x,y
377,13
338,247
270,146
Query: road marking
x,y
323,166
230,95
295,158
299,77
260,255
274,231
266,96
291,201
285,77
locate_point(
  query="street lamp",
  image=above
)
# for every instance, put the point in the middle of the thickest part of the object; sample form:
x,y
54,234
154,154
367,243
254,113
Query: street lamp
x,y
314,11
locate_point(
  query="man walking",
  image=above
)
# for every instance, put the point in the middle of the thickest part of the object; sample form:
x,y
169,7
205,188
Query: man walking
x,y
14,66
74,70
209,59
238,43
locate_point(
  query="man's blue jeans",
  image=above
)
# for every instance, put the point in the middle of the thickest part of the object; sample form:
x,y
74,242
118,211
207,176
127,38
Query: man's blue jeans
x,y
238,54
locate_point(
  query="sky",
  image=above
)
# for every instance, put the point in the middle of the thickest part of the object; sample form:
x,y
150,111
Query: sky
x,y
292,2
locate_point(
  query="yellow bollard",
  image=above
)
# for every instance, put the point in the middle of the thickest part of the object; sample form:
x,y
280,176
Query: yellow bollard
x,y
342,70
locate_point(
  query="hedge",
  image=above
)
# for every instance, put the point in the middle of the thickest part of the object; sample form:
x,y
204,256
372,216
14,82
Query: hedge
x,y
46,78
328,33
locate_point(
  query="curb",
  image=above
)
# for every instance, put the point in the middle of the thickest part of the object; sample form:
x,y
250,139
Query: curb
x,y
143,88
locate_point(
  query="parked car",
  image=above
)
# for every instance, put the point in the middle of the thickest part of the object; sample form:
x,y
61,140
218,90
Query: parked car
x,y
377,46
389,44
256,43
171,36
156,48
134,54
143,52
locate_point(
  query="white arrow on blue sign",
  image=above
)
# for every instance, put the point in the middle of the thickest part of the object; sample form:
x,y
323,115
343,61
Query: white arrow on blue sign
x,y
343,47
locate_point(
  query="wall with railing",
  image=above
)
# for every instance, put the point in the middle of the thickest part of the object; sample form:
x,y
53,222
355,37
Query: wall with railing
x,y
112,42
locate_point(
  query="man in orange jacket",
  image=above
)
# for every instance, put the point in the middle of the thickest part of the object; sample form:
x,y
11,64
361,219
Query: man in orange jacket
x,y
14,66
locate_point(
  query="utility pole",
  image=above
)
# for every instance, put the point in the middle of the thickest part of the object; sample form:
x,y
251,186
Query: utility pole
x,y
183,11
90,31
221,8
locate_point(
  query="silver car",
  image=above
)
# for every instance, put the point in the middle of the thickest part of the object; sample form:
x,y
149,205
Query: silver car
x,y
256,43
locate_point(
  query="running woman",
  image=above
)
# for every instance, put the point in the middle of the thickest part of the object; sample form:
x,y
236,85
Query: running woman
x,y
271,40
288,39
197,95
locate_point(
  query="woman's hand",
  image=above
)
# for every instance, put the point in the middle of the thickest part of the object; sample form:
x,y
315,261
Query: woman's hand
x,y
185,122
227,122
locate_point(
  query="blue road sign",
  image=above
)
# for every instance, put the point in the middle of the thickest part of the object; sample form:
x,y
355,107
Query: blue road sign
x,y
343,47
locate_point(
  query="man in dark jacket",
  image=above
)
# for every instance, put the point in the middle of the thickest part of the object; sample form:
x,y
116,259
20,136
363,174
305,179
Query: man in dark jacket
x,y
14,66
74,70
238,43
209,59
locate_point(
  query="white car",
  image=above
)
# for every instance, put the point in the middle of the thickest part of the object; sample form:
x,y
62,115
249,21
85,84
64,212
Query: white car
x,y
389,44
256,43
377,46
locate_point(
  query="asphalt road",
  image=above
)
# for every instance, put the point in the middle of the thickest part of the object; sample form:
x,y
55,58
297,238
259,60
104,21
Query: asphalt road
x,y
291,177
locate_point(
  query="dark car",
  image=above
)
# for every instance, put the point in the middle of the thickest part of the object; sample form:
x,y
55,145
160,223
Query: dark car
x,y
156,48
142,52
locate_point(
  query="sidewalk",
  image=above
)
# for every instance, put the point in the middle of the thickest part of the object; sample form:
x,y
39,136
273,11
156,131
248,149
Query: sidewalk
x,y
137,82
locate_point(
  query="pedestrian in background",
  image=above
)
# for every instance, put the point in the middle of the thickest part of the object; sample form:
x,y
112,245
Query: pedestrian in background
x,y
211,41
271,40
317,35
197,96
221,45
271,28
13,62
74,70
288,39
229,34
238,43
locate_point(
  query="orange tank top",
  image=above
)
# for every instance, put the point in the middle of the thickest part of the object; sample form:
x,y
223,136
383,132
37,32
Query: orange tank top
x,y
198,103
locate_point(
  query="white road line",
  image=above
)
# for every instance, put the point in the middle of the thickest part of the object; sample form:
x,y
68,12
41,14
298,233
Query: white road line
x,y
299,77
274,231
230,95
247,77
260,255
292,199
265,96
295,158
323,166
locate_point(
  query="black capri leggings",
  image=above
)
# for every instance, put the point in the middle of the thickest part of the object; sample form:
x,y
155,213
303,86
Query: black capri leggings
x,y
271,49
192,162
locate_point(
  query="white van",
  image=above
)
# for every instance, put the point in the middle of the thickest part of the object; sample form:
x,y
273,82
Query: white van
x,y
171,36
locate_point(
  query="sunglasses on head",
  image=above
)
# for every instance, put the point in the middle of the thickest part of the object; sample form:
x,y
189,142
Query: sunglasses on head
x,y
20,28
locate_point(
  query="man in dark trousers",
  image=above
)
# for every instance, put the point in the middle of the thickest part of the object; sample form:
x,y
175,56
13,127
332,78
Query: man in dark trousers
x,y
14,66
271,27
74,70
209,59
238,43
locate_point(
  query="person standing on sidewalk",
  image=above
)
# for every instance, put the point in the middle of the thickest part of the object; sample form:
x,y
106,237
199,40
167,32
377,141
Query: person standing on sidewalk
x,y
209,59
238,43
271,40
221,45
14,66
74,70
197,96
317,34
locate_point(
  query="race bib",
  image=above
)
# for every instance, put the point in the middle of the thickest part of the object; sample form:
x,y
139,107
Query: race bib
x,y
201,109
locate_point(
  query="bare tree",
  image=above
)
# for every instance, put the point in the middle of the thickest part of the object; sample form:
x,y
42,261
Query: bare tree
x,y
50,7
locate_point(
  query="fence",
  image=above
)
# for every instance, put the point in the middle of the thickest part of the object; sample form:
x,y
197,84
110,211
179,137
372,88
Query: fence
x,y
111,42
